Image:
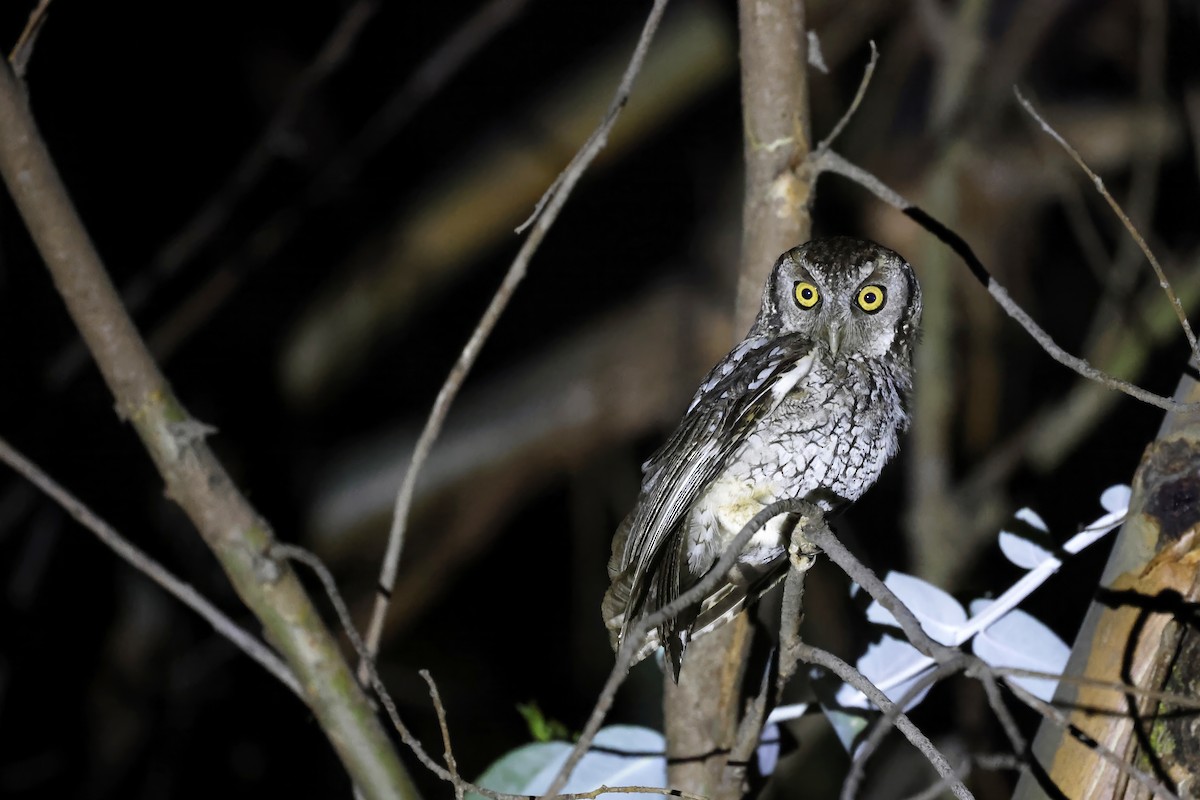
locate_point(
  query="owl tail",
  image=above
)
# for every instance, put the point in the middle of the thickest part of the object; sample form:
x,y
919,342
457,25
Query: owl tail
x,y
620,606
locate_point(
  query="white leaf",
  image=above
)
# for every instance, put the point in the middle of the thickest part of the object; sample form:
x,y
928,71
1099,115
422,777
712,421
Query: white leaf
x,y
1032,519
894,666
513,771
787,713
1115,499
768,749
848,727
1021,551
939,613
530,769
1021,641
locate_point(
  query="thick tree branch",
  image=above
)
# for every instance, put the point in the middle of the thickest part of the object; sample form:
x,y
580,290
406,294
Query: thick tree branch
x,y
778,193
703,711
194,478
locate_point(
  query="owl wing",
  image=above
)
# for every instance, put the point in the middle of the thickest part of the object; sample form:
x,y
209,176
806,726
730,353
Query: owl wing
x,y
747,386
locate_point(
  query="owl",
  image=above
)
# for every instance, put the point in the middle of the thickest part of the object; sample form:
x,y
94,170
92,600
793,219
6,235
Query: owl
x,y
810,405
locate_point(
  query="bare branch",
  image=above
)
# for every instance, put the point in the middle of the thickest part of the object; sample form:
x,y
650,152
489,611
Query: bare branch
x,y
558,195
1176,306
451,764
881,726
294,553
1124,689
1049,712
850,675
790,616
1015,740
830,161
870,582
776,142
848,115
632,642
996,761
23,50
156,572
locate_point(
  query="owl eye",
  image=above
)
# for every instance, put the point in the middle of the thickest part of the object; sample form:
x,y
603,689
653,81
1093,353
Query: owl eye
x,y
870,298
807,295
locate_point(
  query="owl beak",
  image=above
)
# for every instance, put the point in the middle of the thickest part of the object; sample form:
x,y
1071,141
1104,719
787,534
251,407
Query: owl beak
x,y
835,337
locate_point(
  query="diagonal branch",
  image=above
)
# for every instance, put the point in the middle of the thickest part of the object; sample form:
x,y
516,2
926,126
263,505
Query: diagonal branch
x,y
1176,306
194,478
549,208
23,50
830,161
853,677
156,572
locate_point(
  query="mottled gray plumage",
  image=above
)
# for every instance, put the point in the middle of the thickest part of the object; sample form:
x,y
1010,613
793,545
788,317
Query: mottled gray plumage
x,y
810,405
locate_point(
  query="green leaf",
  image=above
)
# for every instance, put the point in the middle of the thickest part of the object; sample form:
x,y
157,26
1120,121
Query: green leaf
x,y
542,728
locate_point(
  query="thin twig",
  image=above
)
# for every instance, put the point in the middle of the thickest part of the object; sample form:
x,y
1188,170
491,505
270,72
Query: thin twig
x,y
877,589
884,723
1176,306
848,115
143,563
996,761
996,700
1152,784
559,193
830,161
295,553
791,614
451,764
850,675
1125,689
632,642
747,739
23,50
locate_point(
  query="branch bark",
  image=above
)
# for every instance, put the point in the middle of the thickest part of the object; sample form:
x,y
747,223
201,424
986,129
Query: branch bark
x,y
194,478
1140,630
703,712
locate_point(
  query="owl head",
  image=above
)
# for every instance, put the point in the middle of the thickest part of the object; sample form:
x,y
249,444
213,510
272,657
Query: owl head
x,y
852,294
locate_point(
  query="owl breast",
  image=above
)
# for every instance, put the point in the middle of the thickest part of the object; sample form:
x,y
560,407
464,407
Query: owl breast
x,y
826,442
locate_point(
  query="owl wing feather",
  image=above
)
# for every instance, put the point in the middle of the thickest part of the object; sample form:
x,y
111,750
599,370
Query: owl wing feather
x,y
741,391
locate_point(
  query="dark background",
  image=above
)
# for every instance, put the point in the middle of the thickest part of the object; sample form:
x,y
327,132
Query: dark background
x,y
109,688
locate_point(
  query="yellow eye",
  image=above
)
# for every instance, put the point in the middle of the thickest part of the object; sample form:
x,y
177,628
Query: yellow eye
x,y
807,295
870,298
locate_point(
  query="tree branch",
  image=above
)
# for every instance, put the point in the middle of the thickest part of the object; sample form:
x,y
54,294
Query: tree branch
x,y
1176,306
830,161
549,208
156,572
194,478
703,710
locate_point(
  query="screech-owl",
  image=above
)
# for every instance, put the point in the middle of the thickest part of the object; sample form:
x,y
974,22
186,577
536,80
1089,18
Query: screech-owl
x,y
810,405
